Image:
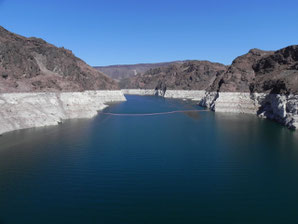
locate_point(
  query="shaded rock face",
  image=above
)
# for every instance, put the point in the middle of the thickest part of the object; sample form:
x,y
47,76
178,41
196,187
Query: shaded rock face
x,y
278,72
262,72
191,75
240,73
31,64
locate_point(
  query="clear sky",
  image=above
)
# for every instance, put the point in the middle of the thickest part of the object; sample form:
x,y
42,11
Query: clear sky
x,y
108,32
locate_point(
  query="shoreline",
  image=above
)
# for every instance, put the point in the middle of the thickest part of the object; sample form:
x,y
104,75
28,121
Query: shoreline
x,y
38,109
280,108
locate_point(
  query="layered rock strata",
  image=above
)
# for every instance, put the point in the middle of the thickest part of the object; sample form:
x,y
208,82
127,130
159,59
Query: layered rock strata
x,y
27,110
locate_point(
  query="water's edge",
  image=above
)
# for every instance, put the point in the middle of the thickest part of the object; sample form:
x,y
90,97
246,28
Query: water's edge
x,y
28,110
280,108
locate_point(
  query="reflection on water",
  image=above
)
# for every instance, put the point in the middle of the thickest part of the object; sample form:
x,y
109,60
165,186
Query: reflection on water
x,y
192,114
179,168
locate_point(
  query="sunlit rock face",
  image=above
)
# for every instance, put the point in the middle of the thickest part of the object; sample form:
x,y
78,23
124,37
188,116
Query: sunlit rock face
x,y
27,110
33,65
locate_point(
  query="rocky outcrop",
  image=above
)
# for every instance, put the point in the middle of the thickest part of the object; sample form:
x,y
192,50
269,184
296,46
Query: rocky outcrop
x,y
278,107
281,108
261,72
27,110
240,74
33,65
277,73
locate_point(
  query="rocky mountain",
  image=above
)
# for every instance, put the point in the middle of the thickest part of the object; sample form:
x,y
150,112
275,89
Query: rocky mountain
x,y
262,72
190,75
240,73
257,71
277,72
119,72
31,64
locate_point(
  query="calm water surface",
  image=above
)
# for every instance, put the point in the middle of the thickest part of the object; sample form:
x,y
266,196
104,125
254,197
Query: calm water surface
x,y
178,168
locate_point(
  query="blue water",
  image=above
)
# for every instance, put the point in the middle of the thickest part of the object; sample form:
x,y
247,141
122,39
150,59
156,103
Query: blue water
x,y
177,168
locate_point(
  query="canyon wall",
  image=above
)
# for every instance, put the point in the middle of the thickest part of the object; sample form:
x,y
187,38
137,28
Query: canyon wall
x,y
27,110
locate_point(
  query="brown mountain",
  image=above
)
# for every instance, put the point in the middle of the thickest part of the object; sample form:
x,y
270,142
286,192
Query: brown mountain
x,y
240,73
262,71
31,64
256,71
188,75
119,72
278,72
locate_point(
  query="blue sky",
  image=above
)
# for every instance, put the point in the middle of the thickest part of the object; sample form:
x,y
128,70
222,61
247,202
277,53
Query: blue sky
x,y
108,32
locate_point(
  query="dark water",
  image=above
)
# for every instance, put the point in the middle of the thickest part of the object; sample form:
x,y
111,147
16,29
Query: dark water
x,y
176,168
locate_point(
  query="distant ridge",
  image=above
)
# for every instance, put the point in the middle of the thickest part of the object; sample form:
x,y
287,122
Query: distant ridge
x,y
187,75
119,72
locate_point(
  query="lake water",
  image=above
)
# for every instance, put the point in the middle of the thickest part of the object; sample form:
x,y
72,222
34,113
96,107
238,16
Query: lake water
x,y
177,168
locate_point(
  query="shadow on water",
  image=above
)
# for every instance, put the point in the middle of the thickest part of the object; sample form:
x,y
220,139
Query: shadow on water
x,y
193,115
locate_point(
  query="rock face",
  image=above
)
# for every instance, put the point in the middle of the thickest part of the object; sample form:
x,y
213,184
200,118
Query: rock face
x,y
279,107
119,72
278,72
33,65
262,72
27,110
190,75
240,74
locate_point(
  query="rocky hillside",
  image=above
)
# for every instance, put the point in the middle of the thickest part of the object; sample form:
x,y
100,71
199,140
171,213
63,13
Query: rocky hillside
x,y
277,72
31,64
240,73
195,75
263,72
119,72
257,71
